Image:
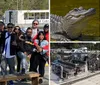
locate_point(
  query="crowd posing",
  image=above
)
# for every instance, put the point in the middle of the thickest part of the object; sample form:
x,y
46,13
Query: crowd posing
x,y
32,44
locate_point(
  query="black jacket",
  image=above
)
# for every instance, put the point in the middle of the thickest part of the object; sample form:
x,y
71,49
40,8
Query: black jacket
x,y
2,39
24,47
12,46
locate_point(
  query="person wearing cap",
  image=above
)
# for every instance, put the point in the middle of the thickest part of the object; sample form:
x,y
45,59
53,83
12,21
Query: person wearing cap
x,y
9,50
46,31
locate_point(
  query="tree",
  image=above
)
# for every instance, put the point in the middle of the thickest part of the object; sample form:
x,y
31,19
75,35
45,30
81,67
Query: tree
x,y
23,5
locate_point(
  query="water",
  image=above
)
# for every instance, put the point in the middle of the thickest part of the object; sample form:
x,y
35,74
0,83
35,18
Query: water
x,y
92,30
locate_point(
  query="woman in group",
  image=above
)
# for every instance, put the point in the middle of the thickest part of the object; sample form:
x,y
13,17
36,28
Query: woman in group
x,y
25,49
18,33
38,56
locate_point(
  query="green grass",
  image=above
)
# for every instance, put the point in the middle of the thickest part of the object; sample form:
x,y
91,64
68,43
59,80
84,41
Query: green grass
x,y
62,7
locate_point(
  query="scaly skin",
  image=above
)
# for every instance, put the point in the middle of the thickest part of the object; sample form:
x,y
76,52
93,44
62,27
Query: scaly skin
x,y
70,26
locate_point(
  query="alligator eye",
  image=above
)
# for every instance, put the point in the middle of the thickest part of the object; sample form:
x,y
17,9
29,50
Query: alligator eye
x,y
76,9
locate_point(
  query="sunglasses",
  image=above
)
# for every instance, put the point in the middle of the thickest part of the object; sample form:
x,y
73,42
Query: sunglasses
x,y
10,27
29,32
35,23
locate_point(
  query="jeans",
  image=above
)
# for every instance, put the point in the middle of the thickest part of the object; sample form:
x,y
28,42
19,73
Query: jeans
x,y
3,65
11,64
18,63
24,62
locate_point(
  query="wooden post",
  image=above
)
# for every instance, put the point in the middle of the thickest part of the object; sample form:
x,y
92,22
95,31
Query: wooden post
x,y
3,83
35,81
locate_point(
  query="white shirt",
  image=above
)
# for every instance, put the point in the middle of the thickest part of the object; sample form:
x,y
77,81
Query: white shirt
x,y
34,32
6,52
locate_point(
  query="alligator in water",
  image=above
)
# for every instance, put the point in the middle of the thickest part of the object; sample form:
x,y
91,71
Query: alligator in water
x,y
71,25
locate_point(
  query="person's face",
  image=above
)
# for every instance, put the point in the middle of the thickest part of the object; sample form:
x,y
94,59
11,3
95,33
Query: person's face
x,y
41,37
35,24
29,32
17,30
1,27
10,29
46,30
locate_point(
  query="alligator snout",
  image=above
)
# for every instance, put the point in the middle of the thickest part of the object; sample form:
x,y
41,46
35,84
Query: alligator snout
x,y
91,11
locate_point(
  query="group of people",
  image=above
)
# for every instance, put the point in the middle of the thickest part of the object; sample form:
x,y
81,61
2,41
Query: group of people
x,y
31,44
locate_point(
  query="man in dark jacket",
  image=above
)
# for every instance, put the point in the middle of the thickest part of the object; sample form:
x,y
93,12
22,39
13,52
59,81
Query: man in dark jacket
x,y
9,50
2,33
2,43
1,38
26,47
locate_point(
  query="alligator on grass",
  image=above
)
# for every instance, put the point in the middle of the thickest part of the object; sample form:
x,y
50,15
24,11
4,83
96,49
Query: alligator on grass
x,y
71,25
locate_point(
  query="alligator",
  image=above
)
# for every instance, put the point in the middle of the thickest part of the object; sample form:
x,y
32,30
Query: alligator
x,y
70,26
